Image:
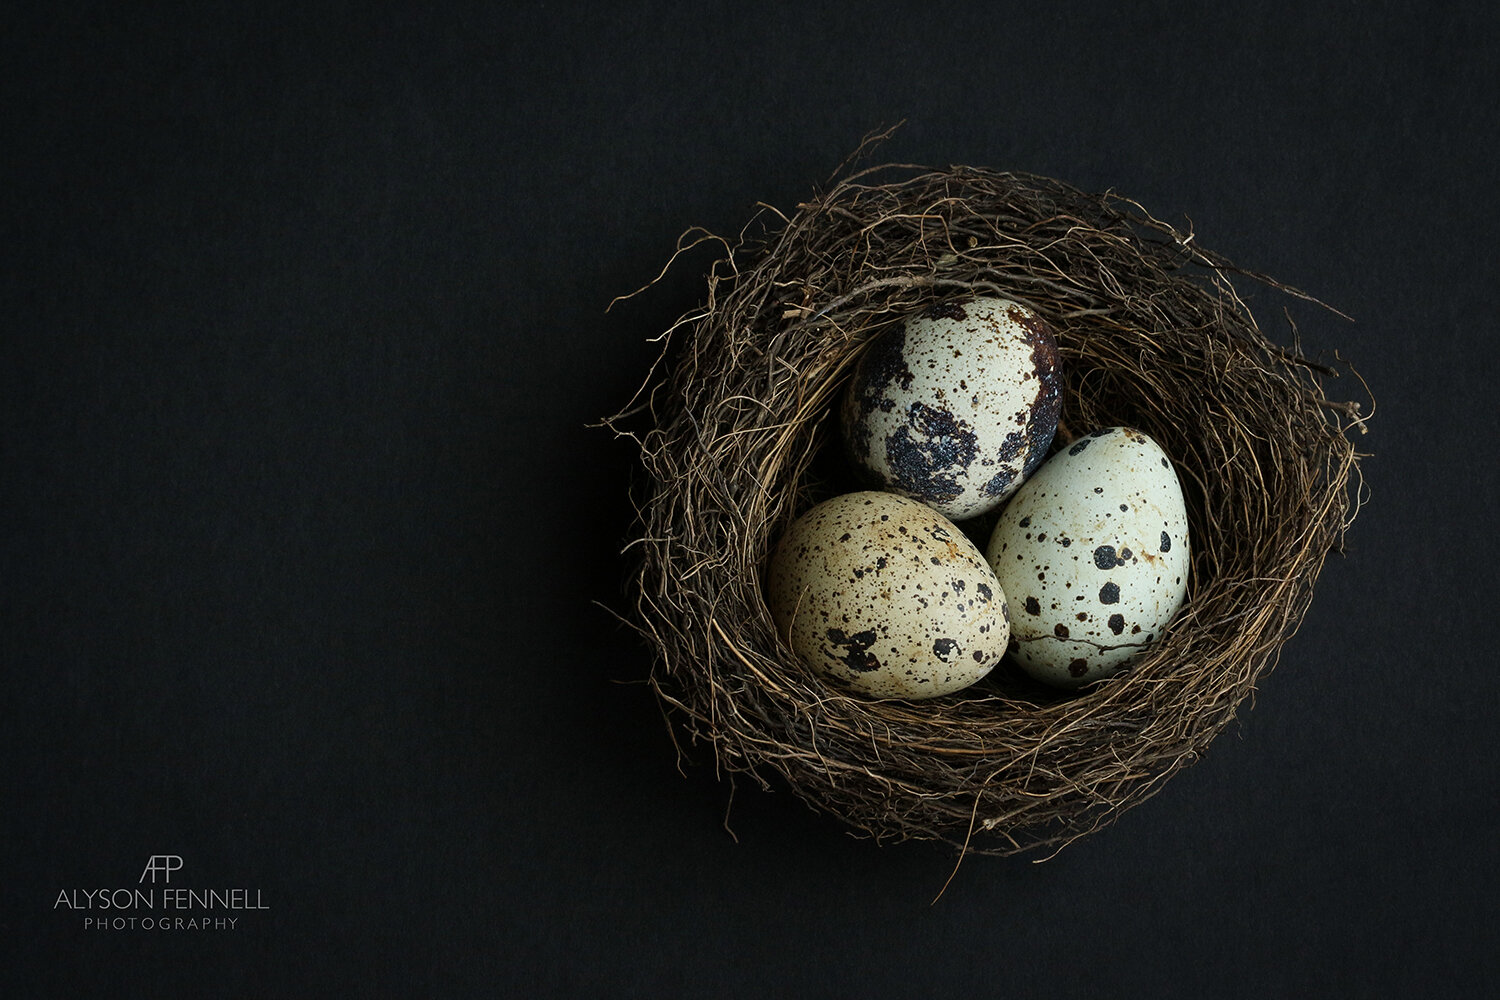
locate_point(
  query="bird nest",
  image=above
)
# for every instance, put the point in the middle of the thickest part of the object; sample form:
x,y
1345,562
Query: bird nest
x,y
736,435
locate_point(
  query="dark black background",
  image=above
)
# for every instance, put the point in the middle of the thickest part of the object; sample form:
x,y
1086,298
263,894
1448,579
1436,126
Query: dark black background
x,y
304,325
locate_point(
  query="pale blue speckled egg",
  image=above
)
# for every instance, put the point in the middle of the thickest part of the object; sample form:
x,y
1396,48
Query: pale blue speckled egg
x,y
1093,552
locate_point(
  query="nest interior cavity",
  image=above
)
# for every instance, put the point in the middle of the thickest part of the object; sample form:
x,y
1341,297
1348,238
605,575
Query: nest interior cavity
x,y
736,433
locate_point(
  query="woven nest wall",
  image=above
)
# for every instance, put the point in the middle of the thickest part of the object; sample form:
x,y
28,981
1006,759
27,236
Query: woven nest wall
x,y
737,438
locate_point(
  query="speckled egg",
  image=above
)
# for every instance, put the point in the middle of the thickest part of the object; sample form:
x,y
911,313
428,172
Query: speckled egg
x,y
956,406
886,597
1093,551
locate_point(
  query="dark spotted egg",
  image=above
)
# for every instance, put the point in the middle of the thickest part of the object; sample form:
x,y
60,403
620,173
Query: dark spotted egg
x,y
956,406
1093,551
886,597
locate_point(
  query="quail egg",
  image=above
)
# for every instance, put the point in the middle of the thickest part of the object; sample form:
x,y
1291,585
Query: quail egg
x,y
956,406
886,597
1093,551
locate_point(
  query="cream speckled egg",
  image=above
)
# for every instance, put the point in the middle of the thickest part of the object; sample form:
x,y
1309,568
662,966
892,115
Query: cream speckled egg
x,y
956,406
887,597
1093,551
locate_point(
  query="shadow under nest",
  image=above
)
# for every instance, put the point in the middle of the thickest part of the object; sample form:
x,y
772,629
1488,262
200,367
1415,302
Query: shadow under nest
x,y
736,438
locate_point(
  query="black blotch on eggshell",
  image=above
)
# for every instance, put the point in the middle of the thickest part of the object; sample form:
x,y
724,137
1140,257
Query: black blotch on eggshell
x,y
1002,480
1046,406
856,653
946,310
929,452
883,365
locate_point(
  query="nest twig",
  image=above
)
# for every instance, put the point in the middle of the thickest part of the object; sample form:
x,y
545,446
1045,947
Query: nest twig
x,y
1152,334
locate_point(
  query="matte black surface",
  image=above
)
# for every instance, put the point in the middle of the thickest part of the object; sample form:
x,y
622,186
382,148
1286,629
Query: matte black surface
x,y
304,323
